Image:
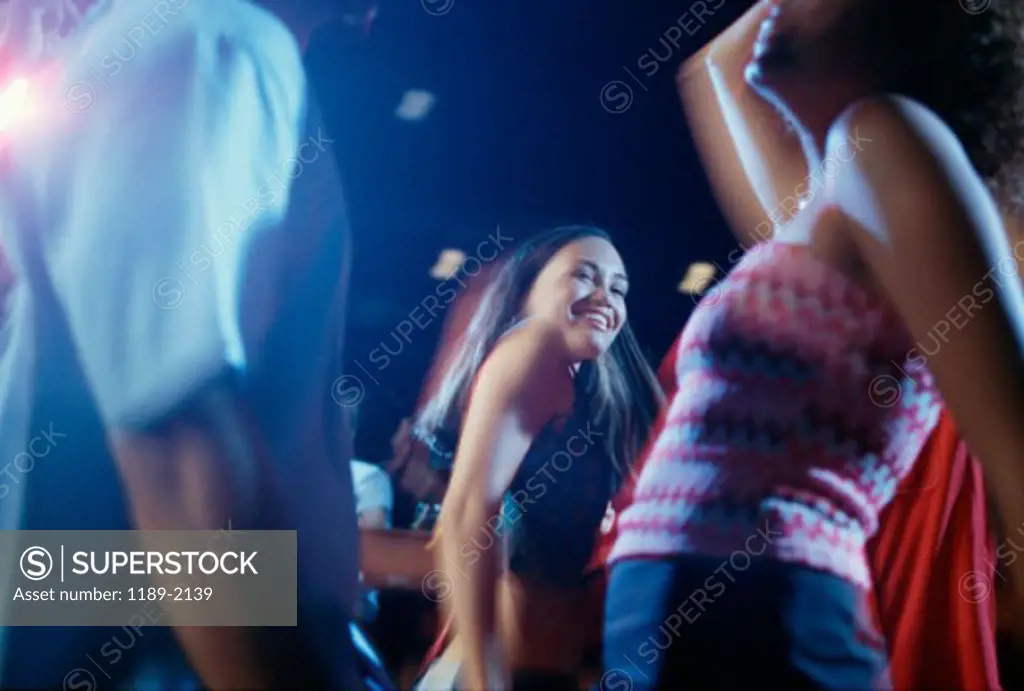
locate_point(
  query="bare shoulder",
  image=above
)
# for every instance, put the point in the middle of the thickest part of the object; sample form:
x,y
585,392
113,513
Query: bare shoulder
x,y
910,165
531,352
901,135
527,367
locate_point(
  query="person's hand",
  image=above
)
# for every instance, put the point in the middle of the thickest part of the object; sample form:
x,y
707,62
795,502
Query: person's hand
x,y
419,480
488,673
401,440
373,518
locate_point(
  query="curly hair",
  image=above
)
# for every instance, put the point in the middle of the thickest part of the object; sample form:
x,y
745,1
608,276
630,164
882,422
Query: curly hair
x,y
965,60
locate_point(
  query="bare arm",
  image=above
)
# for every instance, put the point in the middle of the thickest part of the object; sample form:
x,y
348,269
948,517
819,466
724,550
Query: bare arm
x,y
206,468
512,400
183,476
933,239
754,162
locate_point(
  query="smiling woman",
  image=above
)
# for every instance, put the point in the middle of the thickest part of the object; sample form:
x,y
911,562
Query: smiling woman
x,y
542,406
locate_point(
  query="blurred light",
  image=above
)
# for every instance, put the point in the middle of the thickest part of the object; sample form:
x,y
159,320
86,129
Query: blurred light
x,y
697,279
13,103
448,262
416,104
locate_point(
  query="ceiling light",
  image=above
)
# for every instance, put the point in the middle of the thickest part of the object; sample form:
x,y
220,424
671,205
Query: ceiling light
x,y
448,262
697,279
416,104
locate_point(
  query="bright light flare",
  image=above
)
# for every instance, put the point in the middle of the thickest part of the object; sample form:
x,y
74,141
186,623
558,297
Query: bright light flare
x,y
13,103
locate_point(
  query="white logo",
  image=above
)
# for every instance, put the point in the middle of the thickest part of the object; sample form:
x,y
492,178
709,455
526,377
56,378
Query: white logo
x,y
36,563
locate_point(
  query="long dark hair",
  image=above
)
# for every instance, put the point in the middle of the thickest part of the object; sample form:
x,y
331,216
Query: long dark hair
x,y
968,66
620,392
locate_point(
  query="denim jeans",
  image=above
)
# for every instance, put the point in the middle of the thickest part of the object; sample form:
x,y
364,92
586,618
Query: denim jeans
x,y
694,622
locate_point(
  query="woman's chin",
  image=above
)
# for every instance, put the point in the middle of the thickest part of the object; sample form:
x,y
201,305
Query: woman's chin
x,y
588,348
597,345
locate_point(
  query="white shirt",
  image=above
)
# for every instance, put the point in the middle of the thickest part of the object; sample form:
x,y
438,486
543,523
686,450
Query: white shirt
x,y
372,488
175,213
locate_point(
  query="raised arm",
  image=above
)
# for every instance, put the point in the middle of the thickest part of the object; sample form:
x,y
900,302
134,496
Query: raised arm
x,y
932,237
754,162
514,397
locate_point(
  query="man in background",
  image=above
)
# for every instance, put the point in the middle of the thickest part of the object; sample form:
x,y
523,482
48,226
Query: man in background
x,y
182,256
374,495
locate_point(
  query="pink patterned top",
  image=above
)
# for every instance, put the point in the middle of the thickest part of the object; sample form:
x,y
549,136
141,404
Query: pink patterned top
x,y
797,413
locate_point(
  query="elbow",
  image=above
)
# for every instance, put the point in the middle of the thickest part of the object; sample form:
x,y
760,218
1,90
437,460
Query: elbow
x,y
694,67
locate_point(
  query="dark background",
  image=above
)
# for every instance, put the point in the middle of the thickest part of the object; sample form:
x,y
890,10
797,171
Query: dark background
x,y
521,136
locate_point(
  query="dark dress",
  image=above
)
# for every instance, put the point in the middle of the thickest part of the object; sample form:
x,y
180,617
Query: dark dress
x,y
550,517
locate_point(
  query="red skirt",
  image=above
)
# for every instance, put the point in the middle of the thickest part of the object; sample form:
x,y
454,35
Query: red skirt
x,y
933,561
